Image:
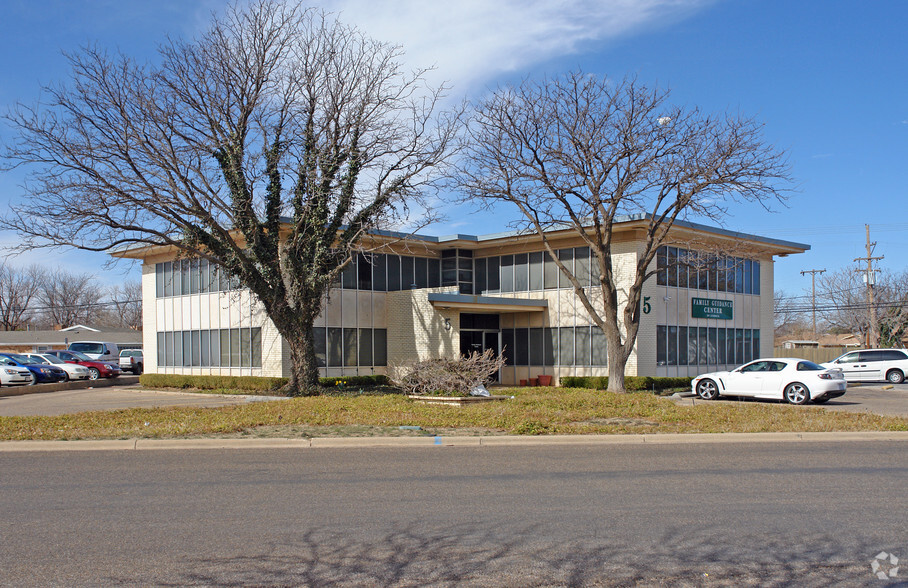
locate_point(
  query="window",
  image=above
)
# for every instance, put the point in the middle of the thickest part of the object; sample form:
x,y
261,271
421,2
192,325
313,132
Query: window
x,y
521,346
406,272
550,343
686,268
582,346
600,346
550,272
507,345
350,352
507,273
422,272
481,283
582,265
494,274
521,272
672,266
349,275
159,280
434,273
682,346
393,273
537,352
380,347
380,272
661,345
808,366
335,347
196,342
566,346
321,346
566,257
849,358
536,270
214,348
661,265
162,358
672,345
720,347
364,272
365,347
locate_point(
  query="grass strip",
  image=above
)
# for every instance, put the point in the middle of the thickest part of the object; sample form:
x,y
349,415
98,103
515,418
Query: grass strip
x,y
532,411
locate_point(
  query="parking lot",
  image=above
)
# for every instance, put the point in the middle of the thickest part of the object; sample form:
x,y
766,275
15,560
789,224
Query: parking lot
x,y
876,398
117,396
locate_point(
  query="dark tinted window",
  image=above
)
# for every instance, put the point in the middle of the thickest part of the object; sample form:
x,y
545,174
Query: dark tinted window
x,y
809,366
873,356
894,355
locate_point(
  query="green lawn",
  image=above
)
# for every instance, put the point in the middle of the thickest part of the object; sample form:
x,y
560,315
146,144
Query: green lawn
x,y
531,411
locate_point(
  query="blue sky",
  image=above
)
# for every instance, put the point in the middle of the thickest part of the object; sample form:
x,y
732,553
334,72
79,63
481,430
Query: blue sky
x,y
827,79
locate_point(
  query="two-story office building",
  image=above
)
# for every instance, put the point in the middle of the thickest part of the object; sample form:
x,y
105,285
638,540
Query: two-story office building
x,y
708,306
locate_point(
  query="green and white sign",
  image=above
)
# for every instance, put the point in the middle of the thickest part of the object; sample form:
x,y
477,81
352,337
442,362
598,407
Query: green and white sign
x,y
712,309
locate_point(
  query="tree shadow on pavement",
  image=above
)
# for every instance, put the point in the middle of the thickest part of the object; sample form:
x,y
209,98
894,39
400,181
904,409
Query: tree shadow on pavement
x,y
412,556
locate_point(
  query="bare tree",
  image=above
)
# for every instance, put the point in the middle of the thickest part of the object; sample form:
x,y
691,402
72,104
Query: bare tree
x,y
125,304
842,302
269,146
578,152
789,317
18,288
69,299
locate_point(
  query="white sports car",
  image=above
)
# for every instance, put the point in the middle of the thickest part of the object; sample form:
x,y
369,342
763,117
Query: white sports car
x,y
781,378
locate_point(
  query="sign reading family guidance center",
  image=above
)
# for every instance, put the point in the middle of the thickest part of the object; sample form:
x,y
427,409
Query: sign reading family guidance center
x,y
714,309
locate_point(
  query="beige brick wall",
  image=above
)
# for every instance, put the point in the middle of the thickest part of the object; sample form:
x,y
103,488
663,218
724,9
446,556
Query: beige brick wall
x,y
417,329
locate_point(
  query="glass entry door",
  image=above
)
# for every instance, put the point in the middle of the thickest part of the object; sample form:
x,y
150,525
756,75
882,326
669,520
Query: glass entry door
x,y
479,341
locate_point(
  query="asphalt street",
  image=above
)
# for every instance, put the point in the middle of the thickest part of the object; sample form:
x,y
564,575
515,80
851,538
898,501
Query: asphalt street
x,y
805,514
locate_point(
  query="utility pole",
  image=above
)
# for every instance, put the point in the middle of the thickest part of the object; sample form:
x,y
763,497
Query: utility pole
x,y
813,295
869,279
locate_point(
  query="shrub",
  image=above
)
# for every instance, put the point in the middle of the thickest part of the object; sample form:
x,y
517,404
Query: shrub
x,y
252,383
354,381
447,376
631,383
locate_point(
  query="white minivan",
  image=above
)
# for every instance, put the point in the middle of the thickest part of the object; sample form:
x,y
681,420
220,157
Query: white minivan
x,y
100,350
873,365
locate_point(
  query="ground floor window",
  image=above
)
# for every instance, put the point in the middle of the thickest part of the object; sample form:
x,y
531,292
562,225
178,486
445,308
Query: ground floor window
x,y
211,348
689,345
565,346
350,347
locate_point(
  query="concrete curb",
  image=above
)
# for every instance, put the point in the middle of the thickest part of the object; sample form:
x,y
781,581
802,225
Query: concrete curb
x,y
453,441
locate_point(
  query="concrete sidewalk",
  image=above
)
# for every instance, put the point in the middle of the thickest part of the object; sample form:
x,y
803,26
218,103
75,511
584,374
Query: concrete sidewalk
x,y
453,441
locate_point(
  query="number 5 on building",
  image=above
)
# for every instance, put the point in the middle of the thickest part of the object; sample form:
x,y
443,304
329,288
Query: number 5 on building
x,y
646,305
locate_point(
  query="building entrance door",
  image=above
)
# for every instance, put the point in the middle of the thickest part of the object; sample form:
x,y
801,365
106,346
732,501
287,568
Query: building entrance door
x,y
479,341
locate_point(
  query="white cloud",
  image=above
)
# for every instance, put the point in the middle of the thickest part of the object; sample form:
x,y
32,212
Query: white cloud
x,y
471,41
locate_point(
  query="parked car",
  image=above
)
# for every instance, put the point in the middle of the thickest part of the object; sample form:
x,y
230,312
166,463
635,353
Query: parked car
x,y
99,350
13,375
96,369
40,374
782,378
873,365
73,371
132,360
